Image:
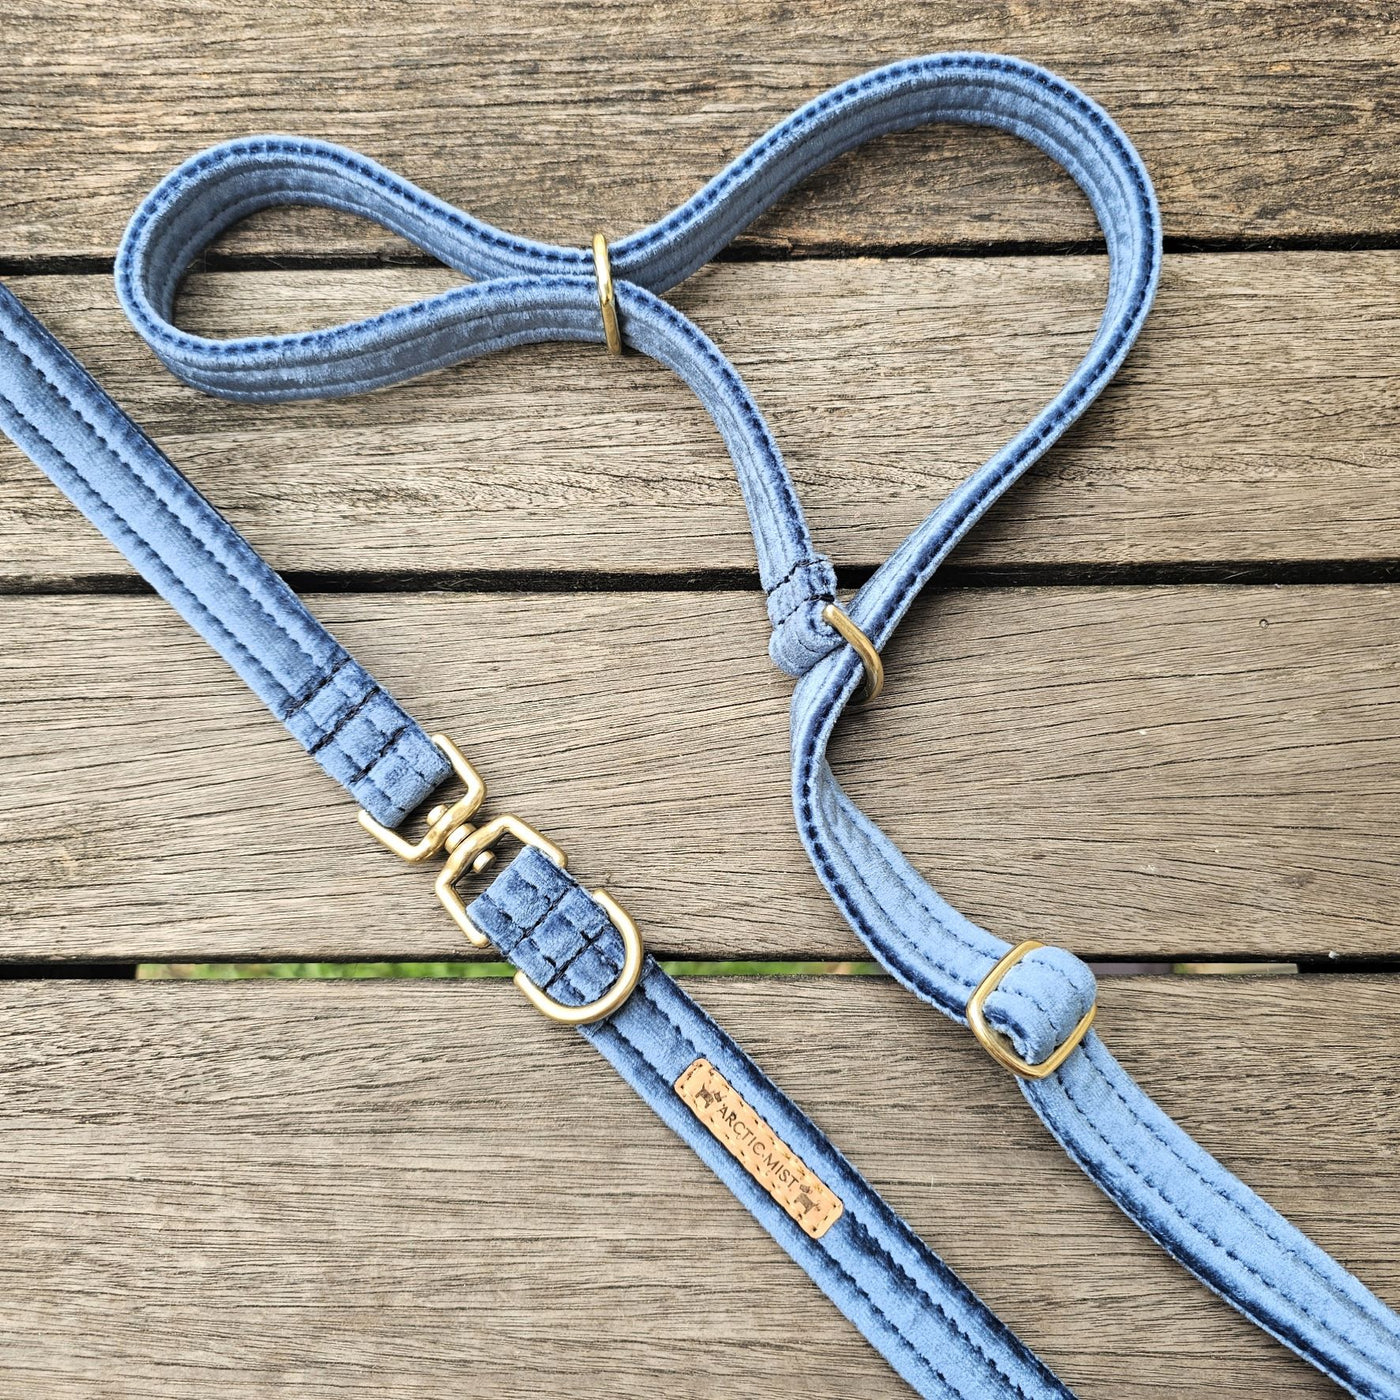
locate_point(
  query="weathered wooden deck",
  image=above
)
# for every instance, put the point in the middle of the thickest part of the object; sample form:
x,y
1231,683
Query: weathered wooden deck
x,y
1154,714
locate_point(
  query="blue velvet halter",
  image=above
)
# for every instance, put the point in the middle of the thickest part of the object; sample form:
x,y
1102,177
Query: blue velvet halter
x,y
1030,1006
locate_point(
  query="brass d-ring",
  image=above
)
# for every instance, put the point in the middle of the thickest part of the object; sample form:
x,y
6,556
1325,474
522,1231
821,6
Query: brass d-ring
x,y
835,617
633,957
607,302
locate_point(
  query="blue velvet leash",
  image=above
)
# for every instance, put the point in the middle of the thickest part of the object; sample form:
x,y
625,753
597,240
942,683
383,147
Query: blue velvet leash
x,y
941,1339
213,577
906,1301
929,1326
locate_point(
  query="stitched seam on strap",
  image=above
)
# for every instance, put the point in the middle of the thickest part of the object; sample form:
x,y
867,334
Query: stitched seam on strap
x,y
802,602
643,992
848,94
806,117
787,577
145,485
775,478
391,738
1060,412
1106,354
1056,417
171,335
526,930
928,1297
918,895
143,548
376,175
588,942
346,717
1241,1208
561,969
844,95
411,761
777,475
552,906
818,108
850,1210
348,688
388,737
238,647
470,295
855,1219
909,888
419,200
1290,1334
171,338
317,688
1271,1285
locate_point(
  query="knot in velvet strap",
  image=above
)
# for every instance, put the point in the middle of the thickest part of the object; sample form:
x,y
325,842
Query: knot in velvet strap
x,y
524,291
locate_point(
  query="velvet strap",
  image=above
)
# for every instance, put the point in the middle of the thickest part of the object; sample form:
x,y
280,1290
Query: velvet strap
x,y
906,1301
927,1323
53,409
526,291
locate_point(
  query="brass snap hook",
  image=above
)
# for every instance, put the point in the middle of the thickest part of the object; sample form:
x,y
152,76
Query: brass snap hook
x,y
467,846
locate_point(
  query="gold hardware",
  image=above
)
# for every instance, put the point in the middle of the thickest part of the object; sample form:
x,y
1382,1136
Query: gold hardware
x,y
607,302
835,616
996,1044
470,845
632,956
450,829
442,821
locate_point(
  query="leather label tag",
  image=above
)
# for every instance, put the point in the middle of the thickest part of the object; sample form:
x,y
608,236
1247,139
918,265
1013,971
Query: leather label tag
x,y
762,1153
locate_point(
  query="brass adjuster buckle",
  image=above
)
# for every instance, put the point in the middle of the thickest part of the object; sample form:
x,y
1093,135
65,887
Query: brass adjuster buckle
x,y
837,618
442,821
607,298
996,1044
472,847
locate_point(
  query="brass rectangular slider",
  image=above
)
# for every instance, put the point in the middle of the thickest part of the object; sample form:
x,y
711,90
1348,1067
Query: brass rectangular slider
x,y
996,1045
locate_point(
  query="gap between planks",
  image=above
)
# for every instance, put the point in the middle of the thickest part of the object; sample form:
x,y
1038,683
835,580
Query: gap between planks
x,y
1256,121
1251,425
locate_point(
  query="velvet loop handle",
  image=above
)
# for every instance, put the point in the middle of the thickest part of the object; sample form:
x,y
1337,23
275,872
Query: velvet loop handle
x,y
523,291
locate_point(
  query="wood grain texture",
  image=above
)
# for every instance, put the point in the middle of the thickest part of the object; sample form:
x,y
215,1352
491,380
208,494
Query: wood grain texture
x,y
421,1192
412,1192
552,119
1258,419
1124,771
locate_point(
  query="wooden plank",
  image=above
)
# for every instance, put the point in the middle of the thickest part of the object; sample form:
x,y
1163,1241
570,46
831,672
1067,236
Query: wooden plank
x,y
1256,421
401,1191
1154,772
1256,120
